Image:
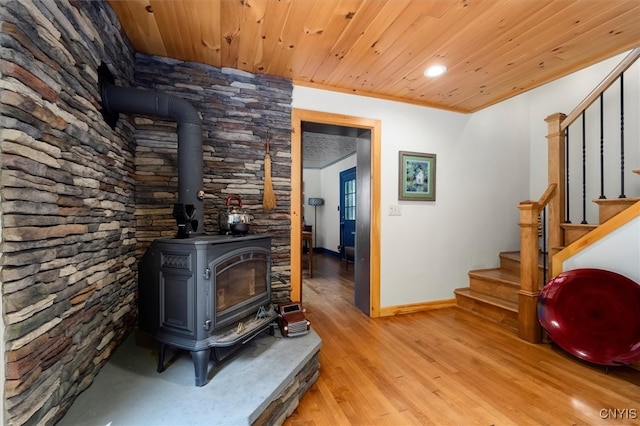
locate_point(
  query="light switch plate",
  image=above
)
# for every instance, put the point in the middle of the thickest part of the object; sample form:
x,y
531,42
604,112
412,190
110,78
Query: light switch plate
x,y
395,210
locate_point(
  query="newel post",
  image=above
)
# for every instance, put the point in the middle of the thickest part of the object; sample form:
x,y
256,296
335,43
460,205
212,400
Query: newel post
x,y
528,326
556,175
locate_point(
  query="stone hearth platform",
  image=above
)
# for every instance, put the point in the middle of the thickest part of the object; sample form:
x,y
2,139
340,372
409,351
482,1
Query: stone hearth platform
x,y
260,384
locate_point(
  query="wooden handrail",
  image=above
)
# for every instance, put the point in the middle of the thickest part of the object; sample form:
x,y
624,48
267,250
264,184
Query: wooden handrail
x,y
538,206
546,197
604,85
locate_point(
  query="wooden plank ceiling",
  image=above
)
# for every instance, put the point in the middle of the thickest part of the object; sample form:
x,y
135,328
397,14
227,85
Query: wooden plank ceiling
x,y
493,49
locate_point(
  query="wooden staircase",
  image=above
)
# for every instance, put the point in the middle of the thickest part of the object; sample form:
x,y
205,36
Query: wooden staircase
x,y
509,294
493,293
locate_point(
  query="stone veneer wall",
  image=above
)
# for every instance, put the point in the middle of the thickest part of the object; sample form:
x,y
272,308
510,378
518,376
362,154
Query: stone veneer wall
x,y
284,404
80,202
68,266
237,110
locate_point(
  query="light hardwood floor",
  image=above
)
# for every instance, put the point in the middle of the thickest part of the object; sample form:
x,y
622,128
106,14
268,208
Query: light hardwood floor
x,y
446,367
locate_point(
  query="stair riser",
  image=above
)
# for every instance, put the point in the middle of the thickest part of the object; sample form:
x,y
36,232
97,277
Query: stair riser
x,y
499,289
571,235
509,264
513,265
507,319
609,210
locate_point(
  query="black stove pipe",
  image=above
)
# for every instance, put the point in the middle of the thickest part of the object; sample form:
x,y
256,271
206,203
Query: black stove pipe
x,y
189,211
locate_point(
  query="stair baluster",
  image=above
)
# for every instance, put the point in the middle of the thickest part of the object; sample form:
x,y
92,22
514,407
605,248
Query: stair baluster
x,y
602,196
584,168
622,194
567,178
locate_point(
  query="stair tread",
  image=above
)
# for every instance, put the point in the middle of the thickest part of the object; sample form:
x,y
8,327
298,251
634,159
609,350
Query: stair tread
x,y
497,274
579,225
627,200
492,300
515,255
511,254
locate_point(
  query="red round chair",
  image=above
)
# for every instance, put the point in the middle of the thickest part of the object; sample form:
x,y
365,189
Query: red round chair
x,y
594,315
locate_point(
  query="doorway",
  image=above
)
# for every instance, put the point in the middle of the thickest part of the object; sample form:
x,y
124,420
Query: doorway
x,y
368,259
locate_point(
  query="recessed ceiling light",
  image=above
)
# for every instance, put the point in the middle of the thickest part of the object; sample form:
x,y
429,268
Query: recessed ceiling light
x,y
435,70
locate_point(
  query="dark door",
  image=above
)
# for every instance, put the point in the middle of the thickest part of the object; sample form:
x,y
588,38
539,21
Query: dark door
x,y
362,261
347,209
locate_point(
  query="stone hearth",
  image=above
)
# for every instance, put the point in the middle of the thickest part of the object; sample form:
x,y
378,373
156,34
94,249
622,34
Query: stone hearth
x,y
261,384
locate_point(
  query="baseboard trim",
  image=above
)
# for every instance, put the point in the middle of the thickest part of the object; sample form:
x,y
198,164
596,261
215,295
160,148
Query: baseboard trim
x,y
325,251
416,307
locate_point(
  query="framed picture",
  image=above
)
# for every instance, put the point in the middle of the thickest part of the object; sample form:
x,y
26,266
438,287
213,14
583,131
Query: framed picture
x,y
417,181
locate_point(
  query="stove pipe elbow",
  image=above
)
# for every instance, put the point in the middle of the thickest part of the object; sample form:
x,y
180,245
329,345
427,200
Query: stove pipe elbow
x,y
189,211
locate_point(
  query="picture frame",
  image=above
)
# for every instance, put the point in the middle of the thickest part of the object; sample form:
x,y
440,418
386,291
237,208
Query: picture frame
x,y
417,176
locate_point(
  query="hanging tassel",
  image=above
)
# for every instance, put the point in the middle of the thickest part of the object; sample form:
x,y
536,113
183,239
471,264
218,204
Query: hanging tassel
x,y
268,197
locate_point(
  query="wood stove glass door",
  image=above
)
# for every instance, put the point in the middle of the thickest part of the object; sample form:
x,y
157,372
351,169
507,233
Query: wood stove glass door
x,y
241,283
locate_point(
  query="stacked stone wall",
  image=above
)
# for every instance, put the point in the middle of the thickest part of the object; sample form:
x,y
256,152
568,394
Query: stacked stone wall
x,y
80,201
237,110
68,266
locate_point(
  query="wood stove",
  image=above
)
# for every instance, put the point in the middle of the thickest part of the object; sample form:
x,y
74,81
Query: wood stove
x,y
206,294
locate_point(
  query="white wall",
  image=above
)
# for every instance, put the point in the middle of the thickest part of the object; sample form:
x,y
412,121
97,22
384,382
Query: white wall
x,y
311,187
606,253
482,174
